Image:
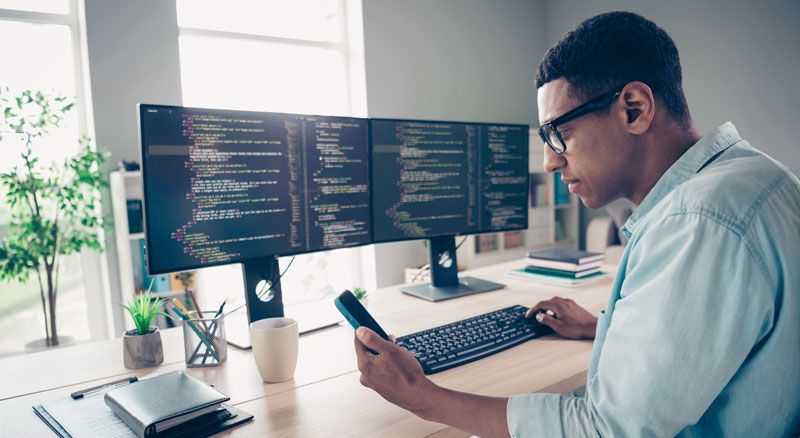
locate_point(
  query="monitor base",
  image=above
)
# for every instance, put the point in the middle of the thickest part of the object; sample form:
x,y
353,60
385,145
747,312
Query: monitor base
x,y
466,286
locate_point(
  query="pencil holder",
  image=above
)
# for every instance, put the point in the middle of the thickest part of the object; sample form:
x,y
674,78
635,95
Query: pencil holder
x,y
204,340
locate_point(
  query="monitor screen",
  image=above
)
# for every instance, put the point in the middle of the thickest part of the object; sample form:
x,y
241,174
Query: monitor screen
x,y
227,186
434,179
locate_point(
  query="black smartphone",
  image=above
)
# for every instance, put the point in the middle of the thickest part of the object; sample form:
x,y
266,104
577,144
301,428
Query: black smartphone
x,y
356,314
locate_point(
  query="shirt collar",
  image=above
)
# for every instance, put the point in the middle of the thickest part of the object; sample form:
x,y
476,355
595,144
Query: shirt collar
x,y
691,162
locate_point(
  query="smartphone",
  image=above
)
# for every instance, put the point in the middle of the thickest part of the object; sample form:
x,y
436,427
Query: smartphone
x,y
356,314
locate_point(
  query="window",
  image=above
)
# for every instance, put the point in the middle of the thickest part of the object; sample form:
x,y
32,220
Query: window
x,y
44,55
293,56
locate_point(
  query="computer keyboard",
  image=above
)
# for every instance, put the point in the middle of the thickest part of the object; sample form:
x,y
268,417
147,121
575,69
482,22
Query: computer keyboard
x,y
461,342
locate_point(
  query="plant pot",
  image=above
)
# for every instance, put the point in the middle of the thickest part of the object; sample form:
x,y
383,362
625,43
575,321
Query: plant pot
x,y
142,351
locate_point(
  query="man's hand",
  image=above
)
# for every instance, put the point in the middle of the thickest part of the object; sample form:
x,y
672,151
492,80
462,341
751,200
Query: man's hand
x,y
397,376
393,373
568,319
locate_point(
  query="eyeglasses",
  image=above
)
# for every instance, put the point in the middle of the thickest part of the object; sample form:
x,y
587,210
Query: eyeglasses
x,y
549,131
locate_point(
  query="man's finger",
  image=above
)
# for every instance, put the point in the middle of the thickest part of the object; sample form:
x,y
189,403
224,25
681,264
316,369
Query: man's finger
x,y
371,339
533,311
549,321
543,306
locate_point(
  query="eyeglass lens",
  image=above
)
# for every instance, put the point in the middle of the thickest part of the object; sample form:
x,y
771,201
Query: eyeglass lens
x,y
549,136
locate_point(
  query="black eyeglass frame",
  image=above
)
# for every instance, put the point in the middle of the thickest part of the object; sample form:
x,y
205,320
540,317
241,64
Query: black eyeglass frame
x,y
595,104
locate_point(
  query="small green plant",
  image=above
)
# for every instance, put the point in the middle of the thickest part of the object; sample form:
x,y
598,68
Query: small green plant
x,y
359,293
143,308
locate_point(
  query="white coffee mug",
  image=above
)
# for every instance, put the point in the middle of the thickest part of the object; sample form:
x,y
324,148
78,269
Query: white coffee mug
x,y
275,342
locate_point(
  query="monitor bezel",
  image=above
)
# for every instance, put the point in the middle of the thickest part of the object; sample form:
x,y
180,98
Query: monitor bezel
x,y
147,237
526,129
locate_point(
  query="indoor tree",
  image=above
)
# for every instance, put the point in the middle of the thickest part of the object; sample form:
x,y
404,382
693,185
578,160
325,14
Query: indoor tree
x,y
54,208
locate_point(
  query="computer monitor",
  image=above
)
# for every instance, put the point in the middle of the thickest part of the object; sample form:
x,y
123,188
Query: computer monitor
x,y
225,187
435,180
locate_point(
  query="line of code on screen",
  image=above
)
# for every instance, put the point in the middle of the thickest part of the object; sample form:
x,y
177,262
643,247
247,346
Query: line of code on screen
x,y
226,186
446,178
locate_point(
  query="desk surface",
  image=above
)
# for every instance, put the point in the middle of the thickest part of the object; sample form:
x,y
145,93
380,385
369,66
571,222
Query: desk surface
x,y
325,397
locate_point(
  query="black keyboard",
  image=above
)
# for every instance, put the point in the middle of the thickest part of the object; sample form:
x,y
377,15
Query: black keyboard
x,y
461,342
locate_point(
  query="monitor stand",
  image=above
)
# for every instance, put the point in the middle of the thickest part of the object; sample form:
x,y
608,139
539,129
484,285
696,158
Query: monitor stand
x,y
445,283
258,274
310,316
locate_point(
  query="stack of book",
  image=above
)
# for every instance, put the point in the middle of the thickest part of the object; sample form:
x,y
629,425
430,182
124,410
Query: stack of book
x,y
562,267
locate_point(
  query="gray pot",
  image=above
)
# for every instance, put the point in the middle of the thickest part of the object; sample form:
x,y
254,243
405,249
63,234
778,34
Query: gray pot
x,y
142,351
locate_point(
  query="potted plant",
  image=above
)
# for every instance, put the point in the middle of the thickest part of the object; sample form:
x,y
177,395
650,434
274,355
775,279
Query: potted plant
x,y
141,347
54,209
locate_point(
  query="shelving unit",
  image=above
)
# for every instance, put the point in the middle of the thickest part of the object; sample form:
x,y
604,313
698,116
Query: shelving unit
x,y
549,225
125,186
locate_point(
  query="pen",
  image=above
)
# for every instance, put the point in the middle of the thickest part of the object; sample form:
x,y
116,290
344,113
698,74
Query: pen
x,y
194,301
197,307
213,332
221,306
80,394
197,331
183,309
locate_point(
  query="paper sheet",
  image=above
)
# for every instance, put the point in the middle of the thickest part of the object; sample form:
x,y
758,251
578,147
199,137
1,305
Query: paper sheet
x,y
88,417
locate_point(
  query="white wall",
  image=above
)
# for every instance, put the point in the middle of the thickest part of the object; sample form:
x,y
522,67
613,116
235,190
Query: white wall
x,y
461,60
133,58
474,60
740,63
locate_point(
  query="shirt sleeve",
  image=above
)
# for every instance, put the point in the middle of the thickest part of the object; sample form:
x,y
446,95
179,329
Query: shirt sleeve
x,y
693,304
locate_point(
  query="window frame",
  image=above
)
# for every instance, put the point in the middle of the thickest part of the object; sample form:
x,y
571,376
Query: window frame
x,y
94,266
351,47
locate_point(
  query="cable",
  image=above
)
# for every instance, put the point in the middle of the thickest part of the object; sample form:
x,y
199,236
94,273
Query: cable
x,y
262,293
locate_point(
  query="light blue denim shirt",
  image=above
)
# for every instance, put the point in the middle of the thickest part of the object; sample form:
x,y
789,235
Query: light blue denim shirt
x,y
701,334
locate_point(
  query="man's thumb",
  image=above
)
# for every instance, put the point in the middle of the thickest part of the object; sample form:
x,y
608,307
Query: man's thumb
x,y
370,339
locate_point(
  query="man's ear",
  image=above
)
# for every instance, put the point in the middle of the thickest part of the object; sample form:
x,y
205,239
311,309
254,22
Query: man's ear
x,y
638,107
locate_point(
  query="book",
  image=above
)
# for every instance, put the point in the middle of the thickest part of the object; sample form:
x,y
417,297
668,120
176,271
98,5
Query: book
x,y
558,281
134,216
563,266
572,256
561,191
561,272
151,406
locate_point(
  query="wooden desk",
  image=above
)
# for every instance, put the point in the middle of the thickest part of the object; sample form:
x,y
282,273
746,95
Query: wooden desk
x,y
325,397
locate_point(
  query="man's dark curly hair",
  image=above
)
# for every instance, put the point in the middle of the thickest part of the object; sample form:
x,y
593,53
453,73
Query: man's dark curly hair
x,y
609,50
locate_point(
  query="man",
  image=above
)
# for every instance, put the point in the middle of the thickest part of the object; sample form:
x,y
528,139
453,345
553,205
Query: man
x,y
701,334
